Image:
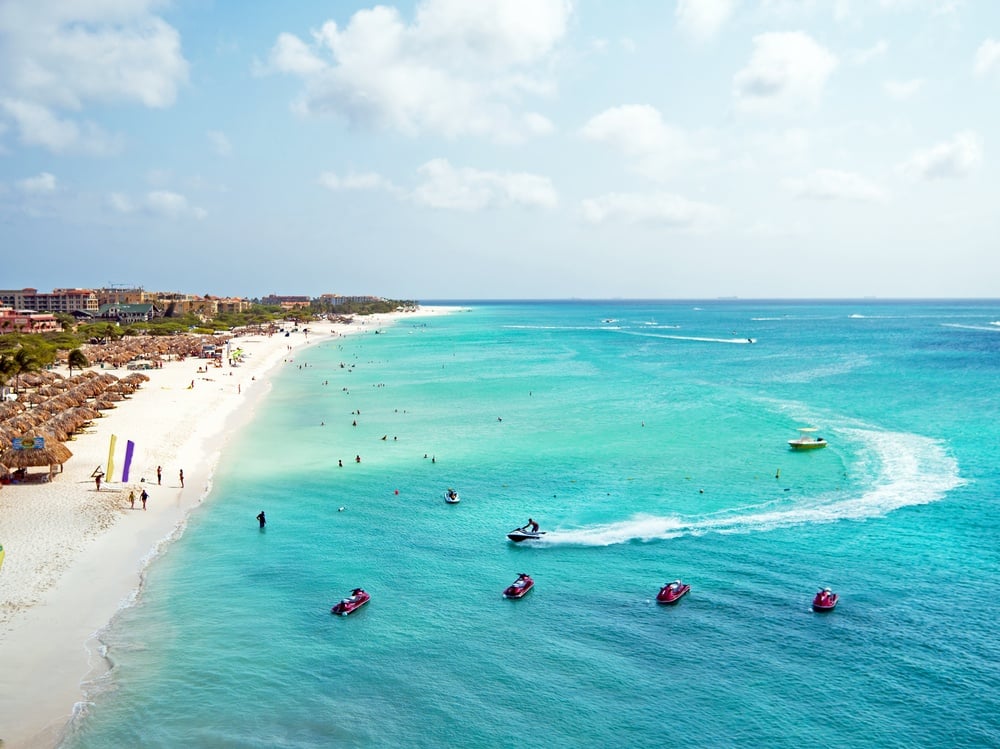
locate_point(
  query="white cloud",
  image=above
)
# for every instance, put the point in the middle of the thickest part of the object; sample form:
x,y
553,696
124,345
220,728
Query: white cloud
x,y
702,19
468,189
291,55
988,57
42,184
66,54
865,56
954,158
365,181
832,184
120,203
57,57
663,209
786,72
902,90
171,205
458,69
638,131
40,126
220,142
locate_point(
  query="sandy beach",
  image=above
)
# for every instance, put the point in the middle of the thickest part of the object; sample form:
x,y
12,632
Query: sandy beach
x,y
75,555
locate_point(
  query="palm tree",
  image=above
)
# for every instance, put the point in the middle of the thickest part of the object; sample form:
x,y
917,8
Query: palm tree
x,y
7,368
23,361
76,359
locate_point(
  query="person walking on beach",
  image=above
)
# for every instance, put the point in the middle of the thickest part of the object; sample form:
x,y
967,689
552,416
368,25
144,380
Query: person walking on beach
x,y
182,478
97,479
159,475
131,499
261,519
144,496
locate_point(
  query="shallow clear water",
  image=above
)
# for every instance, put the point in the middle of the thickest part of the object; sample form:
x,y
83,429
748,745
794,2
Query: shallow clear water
x,y
650,441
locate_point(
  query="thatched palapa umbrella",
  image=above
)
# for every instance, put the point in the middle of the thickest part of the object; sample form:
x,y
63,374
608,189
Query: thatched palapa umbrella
x,y
52,455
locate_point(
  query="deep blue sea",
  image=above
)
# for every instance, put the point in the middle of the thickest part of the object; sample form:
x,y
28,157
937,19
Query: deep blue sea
x,y
649,439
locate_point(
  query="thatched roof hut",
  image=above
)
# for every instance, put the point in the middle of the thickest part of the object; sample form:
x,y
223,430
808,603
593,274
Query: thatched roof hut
x,y
52,455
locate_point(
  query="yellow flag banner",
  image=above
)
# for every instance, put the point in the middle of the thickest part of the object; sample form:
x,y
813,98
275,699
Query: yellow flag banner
x,y
111,457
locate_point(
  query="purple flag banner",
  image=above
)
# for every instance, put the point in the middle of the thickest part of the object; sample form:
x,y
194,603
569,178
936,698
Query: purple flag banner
x,y
129,449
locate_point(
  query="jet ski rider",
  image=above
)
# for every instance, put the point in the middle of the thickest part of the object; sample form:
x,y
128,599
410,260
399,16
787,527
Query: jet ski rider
x,y
531,526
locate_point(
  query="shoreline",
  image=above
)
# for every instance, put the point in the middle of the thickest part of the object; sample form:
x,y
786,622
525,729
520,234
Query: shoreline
x,y
77,556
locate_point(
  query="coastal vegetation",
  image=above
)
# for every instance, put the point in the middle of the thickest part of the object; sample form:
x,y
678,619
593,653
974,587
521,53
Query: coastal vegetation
x,y
21,353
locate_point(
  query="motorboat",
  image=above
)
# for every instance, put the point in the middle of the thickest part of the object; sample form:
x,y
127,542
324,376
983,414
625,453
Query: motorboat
x,y
825,600
451,497
519,587
358,598
520,534
807,440
671,593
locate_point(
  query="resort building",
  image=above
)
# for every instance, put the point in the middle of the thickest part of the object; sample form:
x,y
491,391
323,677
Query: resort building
x,y
123,295
27,321
286,302
60,300
336,300
126,314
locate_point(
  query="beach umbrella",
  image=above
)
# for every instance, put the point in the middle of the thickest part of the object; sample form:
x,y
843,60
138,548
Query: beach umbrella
x,y
53,454
35,398
10,408
86,413
25,421
57,428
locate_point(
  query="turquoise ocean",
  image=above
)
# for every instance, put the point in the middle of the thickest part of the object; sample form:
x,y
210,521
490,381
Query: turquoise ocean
x,y
649,439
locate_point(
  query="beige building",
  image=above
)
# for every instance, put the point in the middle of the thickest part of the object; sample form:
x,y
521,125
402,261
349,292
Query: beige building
x,y
60,300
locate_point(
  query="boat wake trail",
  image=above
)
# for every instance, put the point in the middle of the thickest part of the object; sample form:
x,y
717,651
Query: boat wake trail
x,y
909,470
702,339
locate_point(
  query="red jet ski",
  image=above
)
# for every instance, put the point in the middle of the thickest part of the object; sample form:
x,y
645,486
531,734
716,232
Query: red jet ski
x,y
358,598
671,593
825,600
519,587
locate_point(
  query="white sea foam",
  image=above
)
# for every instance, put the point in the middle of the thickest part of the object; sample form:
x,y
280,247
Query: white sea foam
x,y
911,470
972,327
703,339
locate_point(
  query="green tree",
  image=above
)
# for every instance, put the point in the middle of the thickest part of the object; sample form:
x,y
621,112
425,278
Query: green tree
x,y
77,360
24,360
67,321
8,368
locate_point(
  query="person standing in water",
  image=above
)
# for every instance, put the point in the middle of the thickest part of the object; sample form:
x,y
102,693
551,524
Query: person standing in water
x,y
261,519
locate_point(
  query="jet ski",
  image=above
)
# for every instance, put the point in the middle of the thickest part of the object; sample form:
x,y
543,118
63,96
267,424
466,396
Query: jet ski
x,y
358,598
451,497
671,593
825,600
520,534
519,587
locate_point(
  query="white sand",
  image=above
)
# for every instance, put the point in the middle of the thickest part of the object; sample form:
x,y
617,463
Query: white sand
x,y
75,556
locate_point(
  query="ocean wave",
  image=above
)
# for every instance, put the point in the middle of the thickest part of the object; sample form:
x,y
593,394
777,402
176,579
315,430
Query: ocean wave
x,y
972,327
703,339
912,470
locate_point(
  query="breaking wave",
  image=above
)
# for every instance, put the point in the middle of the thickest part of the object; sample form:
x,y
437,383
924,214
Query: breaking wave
x,y
911,470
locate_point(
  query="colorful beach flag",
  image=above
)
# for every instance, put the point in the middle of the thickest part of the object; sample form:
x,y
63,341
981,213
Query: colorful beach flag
x,y
129,448
111,458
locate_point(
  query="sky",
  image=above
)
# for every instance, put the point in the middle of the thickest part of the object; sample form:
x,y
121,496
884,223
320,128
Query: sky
x,y
503,149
